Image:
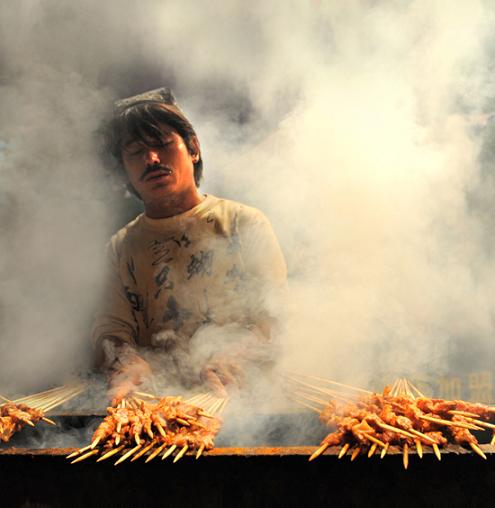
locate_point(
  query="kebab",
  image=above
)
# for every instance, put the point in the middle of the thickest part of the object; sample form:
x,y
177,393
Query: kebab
x,y
29,410
171,424
400,416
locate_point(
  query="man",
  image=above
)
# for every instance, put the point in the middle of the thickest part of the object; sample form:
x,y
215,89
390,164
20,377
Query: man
x,y
193,278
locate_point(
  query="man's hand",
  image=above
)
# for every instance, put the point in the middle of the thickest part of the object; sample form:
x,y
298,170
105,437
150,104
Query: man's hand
x,y
220,372
127,378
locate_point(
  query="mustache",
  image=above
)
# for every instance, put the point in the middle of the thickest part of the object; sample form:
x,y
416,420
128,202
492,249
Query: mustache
x,y
153,168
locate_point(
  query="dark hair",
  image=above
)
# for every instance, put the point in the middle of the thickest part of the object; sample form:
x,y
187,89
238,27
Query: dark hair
x,y
141,122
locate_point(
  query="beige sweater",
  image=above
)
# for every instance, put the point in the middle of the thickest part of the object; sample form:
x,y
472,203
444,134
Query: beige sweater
x,y
218,263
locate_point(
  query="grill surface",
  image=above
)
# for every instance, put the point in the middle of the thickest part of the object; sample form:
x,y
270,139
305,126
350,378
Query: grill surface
x,y
270,477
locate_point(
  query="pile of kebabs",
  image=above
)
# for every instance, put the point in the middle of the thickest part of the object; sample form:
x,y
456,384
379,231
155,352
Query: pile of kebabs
x,y
137,427
401,416
29,410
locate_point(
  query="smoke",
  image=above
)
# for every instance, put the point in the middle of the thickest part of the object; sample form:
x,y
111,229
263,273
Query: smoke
x,y
350,124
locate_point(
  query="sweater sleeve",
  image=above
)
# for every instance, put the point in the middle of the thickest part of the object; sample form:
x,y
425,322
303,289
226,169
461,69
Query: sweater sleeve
x,y
115,320
266,270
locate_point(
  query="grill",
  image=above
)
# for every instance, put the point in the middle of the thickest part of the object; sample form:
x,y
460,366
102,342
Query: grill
x,y
268,476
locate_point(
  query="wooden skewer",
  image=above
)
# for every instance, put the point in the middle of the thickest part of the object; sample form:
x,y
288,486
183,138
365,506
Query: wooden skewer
x,y
481,423
373,439
477,450
437,451
463,413
311,398
200,451
127,455
372,450
394,388
222,407
395,429
318,451
160,429
205,414
110,453
183,422
85,456
405,455
47,420
77,452
95,443
117,439
155,453
147,395
355,453
140,453
343,450
326,391
421,435
136,438
419,448
328,381
448,423
169,452
384,450
181,453
309,406
492,442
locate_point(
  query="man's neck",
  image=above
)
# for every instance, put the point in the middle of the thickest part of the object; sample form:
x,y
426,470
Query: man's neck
x,y
173,205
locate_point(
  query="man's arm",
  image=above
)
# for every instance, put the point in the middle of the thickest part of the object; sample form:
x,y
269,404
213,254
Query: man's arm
x,y
114,334
266,278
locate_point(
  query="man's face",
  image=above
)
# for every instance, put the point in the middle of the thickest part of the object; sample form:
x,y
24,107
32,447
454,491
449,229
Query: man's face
x,y
159,168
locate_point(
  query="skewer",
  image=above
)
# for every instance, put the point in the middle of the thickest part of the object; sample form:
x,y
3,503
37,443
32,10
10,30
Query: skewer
x,y
449,423
147,395
419,394
311,398
419,448
140,453
47,420
85,456
343,450
437,451
169,452
222,407
155,453
395,429
421,435
492,442
309,406
200,451
355,453
373,439
328,381
136,438
160,429
481,423
393,390
183,422
332,393
205,414
110,453
372,450
95,442
477,450
384,450
77,452
127,455
181,453
405,455
318,451
463,413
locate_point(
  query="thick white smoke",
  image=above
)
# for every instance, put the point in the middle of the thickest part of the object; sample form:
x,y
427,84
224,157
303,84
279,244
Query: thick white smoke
x,y
346,122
